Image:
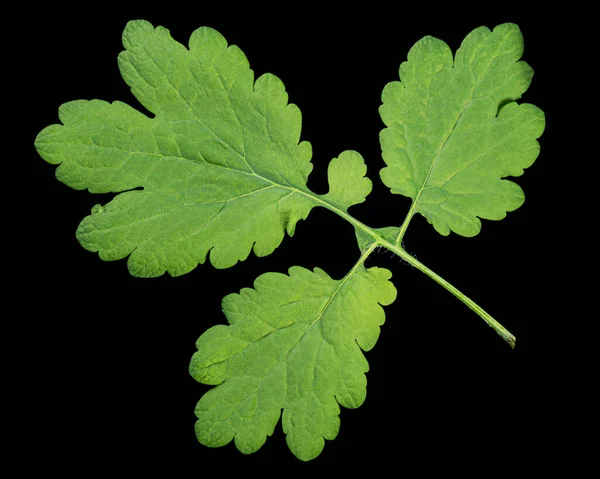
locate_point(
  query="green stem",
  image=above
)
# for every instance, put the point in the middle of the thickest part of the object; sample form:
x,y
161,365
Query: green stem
x,y
495,325
404,226
396,248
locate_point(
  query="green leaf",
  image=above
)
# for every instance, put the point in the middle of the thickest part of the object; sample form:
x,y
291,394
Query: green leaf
x,y
220,159
454,129
348,185
220,168
293,344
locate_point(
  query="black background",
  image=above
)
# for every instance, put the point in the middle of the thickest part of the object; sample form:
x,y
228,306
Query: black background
x,y
110,353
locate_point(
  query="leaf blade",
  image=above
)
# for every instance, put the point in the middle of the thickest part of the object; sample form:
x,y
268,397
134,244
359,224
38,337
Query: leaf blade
x,y
448,125
293,344
222,156
348,184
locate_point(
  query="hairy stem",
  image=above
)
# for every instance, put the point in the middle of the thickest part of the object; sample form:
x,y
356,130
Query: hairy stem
x,y
396,248
495,325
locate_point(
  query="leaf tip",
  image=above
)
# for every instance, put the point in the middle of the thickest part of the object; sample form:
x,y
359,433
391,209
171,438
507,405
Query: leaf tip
x,y
135,32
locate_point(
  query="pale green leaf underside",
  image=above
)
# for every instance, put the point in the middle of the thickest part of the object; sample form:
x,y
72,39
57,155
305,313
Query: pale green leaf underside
x,y
454,129
219,168
293,344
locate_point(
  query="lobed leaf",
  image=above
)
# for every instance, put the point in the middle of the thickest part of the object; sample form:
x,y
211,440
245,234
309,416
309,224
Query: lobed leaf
x,y
293,344
454,129
348,185
220,168
220,159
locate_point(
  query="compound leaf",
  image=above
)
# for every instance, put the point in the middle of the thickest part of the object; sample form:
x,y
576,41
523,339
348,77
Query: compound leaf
x,y
220,168
220,159
293,344
454,129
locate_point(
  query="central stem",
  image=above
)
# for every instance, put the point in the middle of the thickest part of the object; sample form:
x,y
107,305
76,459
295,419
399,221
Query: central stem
x,y
495,325
396,248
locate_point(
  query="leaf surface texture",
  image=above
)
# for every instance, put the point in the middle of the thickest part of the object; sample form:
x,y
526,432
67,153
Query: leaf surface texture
x,y
220,159
294,344
454,129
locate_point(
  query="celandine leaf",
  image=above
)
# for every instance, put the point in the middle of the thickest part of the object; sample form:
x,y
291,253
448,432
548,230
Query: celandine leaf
x,y
293,344
454,129
348,185
219,167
